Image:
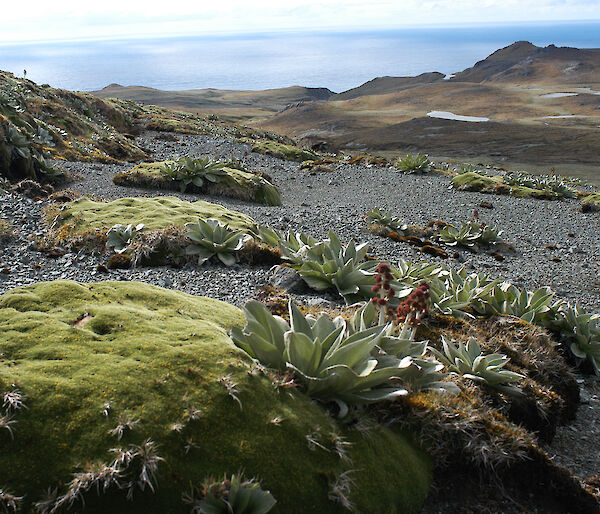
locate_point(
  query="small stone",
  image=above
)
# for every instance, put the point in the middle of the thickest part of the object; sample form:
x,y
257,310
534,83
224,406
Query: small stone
x,y
286,278
318,302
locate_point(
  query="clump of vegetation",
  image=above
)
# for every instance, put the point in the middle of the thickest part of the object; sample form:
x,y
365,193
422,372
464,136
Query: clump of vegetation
x,y
236,495
469,361
204,175
414,164
383,221
187,171
581,331
6,231
329,264
62,124
84,215
96,226
553,183
212,238
119,237
469,234
24,144
518,185
347,363
367,159
284,151
115,350
590,202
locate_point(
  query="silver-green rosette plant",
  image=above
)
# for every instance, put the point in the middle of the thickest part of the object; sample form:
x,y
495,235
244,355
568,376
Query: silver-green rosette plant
x,y
531,306
582,333
470,362
119,237
292,246
469,234
551,183
385,218
414,164
211,237
269,236
193,171
332,359
331,264
235,495
458,293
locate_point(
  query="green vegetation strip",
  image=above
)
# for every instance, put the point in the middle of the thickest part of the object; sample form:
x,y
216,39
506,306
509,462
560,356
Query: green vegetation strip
x,y
592,201
87,358
281,151
471,181
232,182
86,215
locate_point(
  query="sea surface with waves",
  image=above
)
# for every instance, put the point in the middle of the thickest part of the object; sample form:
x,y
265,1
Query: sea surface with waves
x,y
336,60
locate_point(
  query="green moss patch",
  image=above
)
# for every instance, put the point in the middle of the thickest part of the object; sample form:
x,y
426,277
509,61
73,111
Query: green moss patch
x,y
281,151
90,357
591,202
234,183
85,215
471,181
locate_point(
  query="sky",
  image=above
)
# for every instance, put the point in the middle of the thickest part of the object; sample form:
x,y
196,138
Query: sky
x,y
40,20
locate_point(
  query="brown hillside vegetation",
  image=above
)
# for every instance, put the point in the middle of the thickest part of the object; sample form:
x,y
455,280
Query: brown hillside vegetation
x,y
524,62
552,124
543,106
233,105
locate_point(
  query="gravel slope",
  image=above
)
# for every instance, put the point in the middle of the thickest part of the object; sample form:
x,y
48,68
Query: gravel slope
x,y
338,200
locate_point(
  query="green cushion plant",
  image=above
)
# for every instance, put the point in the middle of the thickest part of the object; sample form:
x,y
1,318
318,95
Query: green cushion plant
x,y
85,359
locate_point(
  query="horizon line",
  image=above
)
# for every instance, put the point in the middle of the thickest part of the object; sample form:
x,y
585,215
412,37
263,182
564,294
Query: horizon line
x,y
292,30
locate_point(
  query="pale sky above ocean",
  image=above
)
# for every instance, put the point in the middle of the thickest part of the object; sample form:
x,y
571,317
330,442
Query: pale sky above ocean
x,y
74,19
334,59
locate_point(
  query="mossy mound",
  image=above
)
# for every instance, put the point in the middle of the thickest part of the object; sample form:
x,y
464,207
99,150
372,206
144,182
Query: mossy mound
x,y
234,183
471,181
85,215
282,151
88,358
591,202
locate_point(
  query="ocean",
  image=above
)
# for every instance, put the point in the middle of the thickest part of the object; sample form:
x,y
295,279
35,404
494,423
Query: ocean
x,y
335,60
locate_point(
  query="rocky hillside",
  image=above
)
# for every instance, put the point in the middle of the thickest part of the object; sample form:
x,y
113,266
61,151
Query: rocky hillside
x,y
41,122
232,105
523,62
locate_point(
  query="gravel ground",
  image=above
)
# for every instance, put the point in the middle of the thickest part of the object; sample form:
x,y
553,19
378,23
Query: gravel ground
x,y
338,200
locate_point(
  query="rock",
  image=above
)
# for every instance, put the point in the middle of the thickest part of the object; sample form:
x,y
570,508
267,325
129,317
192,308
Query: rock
x,y
318,302
286,278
